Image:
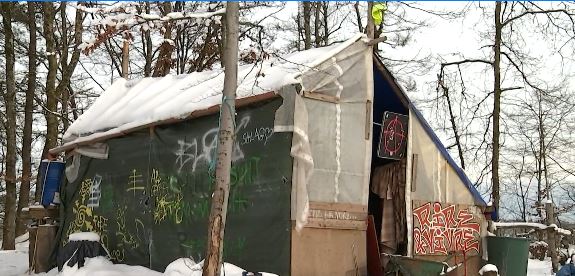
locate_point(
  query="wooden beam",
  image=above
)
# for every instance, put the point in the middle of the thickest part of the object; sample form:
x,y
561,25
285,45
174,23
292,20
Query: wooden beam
x,y
321,97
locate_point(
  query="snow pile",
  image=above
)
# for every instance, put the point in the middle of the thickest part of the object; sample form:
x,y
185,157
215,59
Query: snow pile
x,y
128,105
187,267
84,236
488,268
101,266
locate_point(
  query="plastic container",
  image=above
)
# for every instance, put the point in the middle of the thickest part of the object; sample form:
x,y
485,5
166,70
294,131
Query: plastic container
x,y
510,255
51,173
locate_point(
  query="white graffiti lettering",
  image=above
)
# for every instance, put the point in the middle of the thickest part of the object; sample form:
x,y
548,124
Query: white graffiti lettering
x,y
191,152
261,134
94,199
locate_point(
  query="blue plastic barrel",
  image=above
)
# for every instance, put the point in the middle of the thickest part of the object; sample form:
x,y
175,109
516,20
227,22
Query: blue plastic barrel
x,y
51,173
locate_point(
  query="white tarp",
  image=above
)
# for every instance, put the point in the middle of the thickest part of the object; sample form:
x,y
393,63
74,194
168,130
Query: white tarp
x,y
435,179
330,146
337,131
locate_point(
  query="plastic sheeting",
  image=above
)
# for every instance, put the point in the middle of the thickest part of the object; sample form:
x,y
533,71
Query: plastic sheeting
x,y
432,176
339,138
330,146
436,177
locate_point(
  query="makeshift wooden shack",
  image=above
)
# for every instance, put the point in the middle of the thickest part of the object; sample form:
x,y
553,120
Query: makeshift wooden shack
x,y
309,142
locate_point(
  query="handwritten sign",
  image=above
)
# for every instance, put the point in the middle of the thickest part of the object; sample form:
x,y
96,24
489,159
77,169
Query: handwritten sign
x,y
439,229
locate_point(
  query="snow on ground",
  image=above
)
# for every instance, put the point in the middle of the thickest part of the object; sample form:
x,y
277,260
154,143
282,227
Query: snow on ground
x,y
15,263
539,268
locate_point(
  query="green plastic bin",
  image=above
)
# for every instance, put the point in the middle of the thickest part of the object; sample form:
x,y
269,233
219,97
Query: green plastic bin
x,y
510,255
416,267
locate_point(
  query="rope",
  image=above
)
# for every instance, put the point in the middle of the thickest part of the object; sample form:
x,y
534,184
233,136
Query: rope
x,y
225,103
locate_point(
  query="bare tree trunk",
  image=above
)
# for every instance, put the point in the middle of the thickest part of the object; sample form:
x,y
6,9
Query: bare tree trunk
x,y
370,28
539,159
306,25
358,16
9,230
24,198
299,29
217,220
549,206
552,240
317,24
325,5
496,106
51,94
164,62
148,47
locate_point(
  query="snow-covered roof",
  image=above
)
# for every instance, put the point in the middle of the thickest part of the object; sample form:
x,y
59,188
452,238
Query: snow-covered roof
x,y
129,104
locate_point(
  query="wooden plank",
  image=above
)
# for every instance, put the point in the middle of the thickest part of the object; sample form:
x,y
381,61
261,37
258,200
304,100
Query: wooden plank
x,y
338,215
336,224
321,97
41,212
367,120
347,207
413,172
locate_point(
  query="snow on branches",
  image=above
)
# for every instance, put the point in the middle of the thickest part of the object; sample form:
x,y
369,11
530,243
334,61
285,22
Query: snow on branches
x,y
124,18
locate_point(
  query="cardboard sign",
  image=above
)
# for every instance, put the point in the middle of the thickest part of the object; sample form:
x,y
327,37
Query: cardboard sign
x,y
439,229
393,137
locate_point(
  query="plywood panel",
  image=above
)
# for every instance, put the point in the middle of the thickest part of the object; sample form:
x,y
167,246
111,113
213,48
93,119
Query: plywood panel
x,y
318,251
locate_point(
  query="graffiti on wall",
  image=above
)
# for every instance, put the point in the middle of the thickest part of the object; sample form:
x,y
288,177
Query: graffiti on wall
x,y
202,149
84,218
439,229
95,193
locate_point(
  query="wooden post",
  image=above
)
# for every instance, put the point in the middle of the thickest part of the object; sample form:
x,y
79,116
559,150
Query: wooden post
x,y
217,220
32,231
43,245
125,58
551,237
